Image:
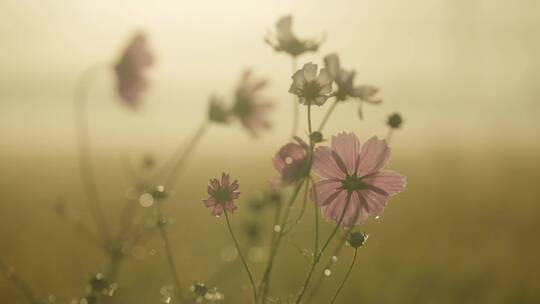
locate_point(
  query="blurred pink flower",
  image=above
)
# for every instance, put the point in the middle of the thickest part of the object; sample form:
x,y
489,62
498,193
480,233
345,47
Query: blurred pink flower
x,y
129,70
249,106
286,41
310,88
344,80
222,195
346,169
291,161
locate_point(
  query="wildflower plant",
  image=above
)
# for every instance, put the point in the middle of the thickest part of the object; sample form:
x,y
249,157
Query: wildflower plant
x,y
344,181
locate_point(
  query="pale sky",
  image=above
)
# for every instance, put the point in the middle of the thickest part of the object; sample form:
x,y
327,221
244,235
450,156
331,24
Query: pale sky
x,y
457,70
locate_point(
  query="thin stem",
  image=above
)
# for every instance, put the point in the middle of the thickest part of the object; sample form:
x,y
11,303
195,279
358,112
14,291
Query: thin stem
x,y
168,252
302,210
18,282
296,106
318,256
309,120
389,135
316,286
265,281
241,256
181,155
327,115
316,246
346,277
84,153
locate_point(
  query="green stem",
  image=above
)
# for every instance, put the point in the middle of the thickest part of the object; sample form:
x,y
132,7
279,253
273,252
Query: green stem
x,y
265,281
316,286
296,106
302,210
346,277
318,256
327,115
84,154
178,158
252,281
18,282
168,252
389,135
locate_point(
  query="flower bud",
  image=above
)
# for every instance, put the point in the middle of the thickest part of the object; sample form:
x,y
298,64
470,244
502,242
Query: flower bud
x,y
357,239
316,137
217,111
394,121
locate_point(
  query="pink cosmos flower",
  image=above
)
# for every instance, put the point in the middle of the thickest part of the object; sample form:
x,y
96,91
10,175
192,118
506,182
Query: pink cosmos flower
x,y
222,195
286,41
129,70
346,169
249,106
291,161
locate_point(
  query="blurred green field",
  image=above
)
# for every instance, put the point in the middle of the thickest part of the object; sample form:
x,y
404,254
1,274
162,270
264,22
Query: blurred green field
x,y
465,231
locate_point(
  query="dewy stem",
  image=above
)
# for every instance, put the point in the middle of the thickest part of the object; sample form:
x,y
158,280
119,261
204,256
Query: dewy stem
x,y
319,281
265,281
168,251
84,154
318,256
252,281
346,277
327,115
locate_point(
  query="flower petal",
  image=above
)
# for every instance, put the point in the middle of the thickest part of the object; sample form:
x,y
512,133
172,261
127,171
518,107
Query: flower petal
x,y
374,156
331,63
310,71
324,78
325,191
218,210
298,80
373,202
320,100
347,146
324,164
389,181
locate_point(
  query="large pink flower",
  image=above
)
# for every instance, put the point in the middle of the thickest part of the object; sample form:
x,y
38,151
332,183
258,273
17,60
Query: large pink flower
x,y
222,195
129,70
291,161
346,169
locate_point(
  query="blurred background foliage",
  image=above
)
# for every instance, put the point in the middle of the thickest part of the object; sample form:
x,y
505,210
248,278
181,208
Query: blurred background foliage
x,y
464,75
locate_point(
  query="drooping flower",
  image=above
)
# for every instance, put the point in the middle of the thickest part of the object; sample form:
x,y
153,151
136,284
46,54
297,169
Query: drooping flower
x,y
344,80
129,70
222,195
286,41
310,88
347,169
249,106
291,161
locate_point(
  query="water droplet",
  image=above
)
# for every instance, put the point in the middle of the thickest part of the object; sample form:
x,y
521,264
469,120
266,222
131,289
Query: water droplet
x,y
327,272
277,228
288,160
99,276
334,259
146,200
160,188
377,217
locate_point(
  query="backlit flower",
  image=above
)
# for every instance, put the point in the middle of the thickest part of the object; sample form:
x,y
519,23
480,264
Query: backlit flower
x,y
291,161
285,41
249,106
129,70
310,88
344,80
347,169
222,195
